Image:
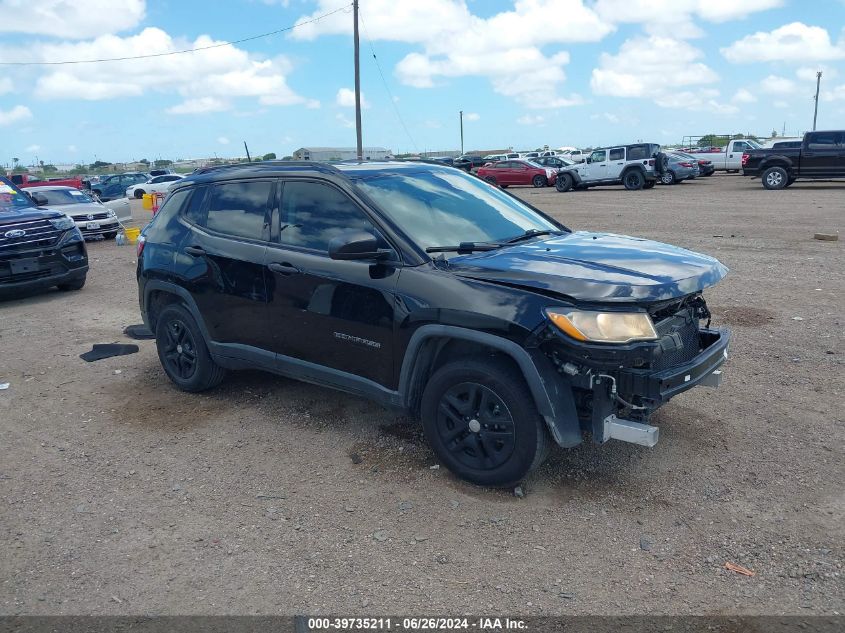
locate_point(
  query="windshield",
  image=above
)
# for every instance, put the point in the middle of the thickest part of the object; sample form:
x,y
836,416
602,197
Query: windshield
x,y
438,208
12,198
65,196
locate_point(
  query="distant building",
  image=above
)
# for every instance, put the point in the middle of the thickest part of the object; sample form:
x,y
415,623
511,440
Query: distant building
x,y
340,153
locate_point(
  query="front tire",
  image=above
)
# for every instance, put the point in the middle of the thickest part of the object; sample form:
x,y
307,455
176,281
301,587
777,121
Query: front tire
x,y
479,418
539,181
633,180
563,183
775,178
183,353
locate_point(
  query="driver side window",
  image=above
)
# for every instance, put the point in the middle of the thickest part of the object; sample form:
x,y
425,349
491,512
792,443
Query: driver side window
x,y
598,156
312,213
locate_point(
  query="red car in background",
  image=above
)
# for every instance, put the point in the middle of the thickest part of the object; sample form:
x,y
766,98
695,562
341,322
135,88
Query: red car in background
x,y
517,172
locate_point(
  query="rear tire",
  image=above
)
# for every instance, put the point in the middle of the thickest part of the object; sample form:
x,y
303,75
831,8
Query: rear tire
x,y
668,177
479,417
76,284
563,183
540,181
633,180
790,182
775,178
139,193
183,353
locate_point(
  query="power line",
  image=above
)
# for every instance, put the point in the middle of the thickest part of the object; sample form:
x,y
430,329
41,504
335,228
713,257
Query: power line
x,y
187,50
386,87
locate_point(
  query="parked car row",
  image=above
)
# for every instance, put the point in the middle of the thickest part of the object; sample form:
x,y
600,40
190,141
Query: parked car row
x,y
93,218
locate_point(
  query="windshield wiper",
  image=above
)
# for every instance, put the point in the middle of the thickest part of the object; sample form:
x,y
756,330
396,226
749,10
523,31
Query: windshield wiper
x,y
529,234
465,247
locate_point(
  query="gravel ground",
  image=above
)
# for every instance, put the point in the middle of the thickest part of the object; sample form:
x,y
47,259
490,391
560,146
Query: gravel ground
x,y
121,495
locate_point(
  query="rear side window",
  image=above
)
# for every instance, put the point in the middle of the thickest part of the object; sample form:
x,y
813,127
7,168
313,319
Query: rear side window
x,y
240,209
313,213
195,211
617,153
171,206
638,152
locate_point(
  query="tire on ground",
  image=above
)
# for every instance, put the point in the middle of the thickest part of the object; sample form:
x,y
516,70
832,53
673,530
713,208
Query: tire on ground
x,y
170,340
633,180
563,183
470,437
775,178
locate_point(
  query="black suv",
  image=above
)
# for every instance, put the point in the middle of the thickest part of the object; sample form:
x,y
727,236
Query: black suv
x,y
434,292
468,163
39,248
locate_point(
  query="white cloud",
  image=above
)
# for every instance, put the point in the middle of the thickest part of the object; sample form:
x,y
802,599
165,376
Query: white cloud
x,y
531,119
346,99
676,18
344,121
15,115
775,85
663,67
505,48
743,96
605,116
76,19
471,116
202,105
215,75
222,140
6,85
32,148
795,42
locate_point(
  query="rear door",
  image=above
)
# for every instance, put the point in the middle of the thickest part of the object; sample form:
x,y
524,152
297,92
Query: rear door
x,y
338,314
222,260
615,163
505,172
823,155
735,151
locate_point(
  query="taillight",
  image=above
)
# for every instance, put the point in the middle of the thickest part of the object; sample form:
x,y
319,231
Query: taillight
x,y
685,164
141,242
651,163
745,158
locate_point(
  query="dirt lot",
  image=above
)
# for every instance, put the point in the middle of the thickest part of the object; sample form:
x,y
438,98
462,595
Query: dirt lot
x,y
121,495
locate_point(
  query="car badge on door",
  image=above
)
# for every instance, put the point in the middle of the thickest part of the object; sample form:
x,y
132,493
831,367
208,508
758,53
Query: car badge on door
x,y
14,233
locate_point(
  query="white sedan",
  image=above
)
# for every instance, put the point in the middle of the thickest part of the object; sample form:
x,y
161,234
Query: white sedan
x,y
159,184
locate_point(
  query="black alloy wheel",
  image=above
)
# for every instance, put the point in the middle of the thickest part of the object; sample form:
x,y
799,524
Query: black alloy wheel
x,y
179,353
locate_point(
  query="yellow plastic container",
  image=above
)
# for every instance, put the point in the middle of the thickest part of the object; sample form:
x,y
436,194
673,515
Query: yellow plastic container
x,y
147,201
132,235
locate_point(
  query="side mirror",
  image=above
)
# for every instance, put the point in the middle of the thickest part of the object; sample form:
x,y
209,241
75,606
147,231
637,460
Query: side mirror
x,y
39,199
356,245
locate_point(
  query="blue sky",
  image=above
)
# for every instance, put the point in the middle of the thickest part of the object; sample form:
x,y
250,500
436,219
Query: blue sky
x,y
526,73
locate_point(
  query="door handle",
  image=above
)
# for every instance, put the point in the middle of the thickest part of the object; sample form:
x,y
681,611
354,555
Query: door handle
x,y
620,163
196,251
284,268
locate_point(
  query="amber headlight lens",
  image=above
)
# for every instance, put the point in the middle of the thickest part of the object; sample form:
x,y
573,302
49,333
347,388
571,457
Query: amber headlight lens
x,y
603,327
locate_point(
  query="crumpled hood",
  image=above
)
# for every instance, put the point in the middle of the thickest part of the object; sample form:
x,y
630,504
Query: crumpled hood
x,y
600,267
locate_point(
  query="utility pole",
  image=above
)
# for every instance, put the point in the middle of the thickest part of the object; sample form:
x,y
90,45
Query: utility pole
x,y
462,132
357,82
818,85
248,159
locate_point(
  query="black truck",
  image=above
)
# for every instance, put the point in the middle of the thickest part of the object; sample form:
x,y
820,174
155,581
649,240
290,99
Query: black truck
x,y
39,247
820,155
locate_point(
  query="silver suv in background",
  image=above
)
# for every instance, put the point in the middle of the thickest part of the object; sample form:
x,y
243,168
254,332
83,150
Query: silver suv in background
x,y
636,166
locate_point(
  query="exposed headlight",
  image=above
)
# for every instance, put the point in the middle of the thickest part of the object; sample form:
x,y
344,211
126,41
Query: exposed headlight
x,y
603,327
63,224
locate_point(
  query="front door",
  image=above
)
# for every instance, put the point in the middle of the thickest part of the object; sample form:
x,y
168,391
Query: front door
x,y
597,166
338,314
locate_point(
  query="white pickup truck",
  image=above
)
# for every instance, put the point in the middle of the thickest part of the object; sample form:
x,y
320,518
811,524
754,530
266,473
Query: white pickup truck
x,y
729,158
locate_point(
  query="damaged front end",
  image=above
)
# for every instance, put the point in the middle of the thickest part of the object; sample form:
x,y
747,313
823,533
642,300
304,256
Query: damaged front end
x,y
616,386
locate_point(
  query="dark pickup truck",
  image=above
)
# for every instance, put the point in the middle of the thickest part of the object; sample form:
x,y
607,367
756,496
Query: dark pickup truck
x,y
820,155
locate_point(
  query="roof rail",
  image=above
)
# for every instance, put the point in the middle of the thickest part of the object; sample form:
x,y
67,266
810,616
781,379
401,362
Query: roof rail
x,y
315,165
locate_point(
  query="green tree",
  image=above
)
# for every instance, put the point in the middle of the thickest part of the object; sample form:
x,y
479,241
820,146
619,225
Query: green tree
x,y
712,140
163,162
99,164
48,169
270,156
145,161
16,161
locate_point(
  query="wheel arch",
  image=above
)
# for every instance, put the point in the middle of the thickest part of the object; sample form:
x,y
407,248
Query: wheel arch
x,y
433,345
159,294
